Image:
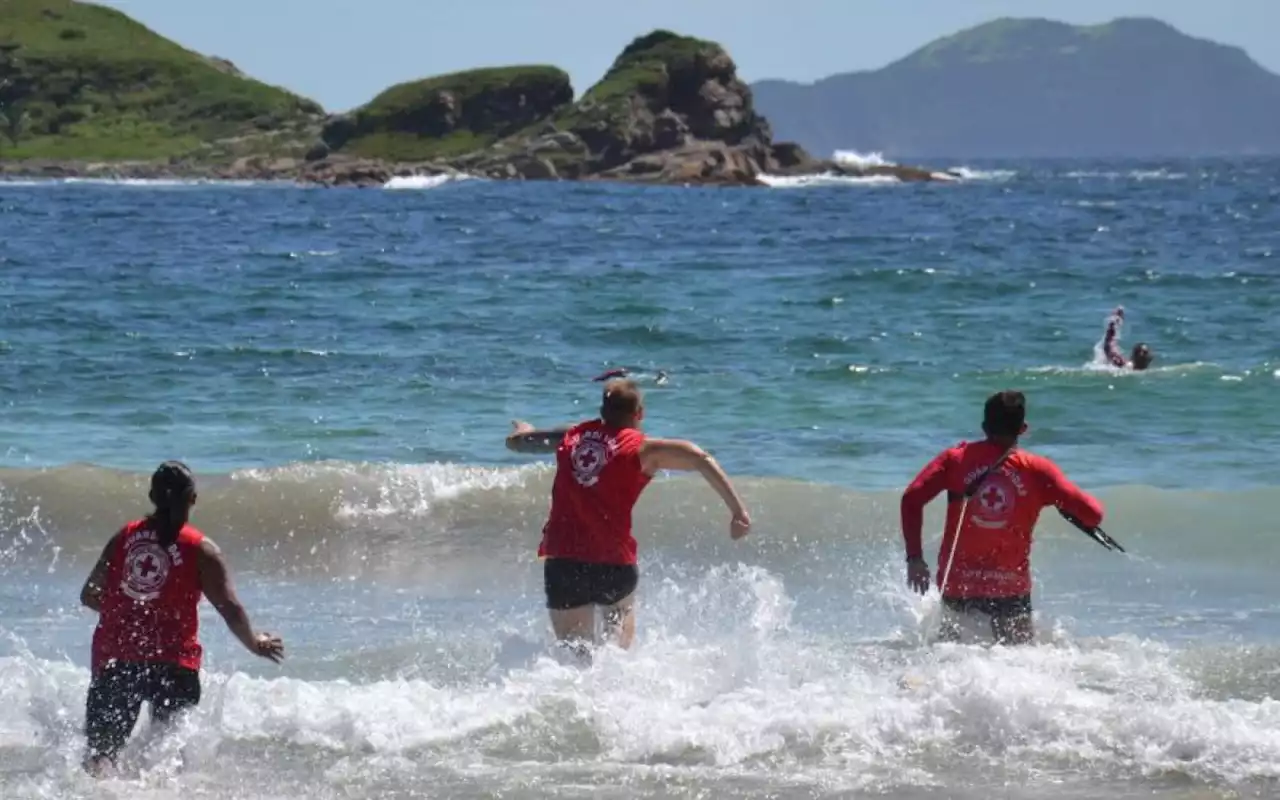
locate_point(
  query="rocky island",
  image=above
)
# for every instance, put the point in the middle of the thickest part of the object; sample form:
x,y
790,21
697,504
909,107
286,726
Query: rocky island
x,y
87,91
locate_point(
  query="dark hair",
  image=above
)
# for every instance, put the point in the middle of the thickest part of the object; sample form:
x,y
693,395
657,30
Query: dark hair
x,y
173,489
1004,414
620,403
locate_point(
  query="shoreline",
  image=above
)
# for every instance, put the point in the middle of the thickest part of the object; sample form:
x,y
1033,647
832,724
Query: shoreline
x,y
372,173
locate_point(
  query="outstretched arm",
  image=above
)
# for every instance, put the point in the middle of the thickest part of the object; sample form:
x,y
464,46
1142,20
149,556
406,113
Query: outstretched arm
x,y
91,592
682,456
1109,346
524,438
215,582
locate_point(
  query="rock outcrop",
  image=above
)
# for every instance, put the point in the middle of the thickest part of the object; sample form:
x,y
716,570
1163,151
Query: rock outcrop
x,y
664,93
450,115
85,90
671,109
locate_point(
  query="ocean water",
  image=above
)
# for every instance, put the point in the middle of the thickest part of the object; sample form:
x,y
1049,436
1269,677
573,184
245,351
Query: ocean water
x,y
340,368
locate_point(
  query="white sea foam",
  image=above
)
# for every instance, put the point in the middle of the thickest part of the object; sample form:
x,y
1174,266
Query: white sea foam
x,y
423,182
721,686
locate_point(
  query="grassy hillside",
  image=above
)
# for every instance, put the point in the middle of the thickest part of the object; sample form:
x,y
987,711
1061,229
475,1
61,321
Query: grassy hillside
x,y
1034,87
451,115
79,81
644,67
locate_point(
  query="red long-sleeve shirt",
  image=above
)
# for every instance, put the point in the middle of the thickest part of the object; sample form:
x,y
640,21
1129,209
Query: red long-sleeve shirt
x,y
993,558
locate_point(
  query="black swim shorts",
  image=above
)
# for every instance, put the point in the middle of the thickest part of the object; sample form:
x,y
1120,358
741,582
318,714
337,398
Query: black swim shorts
x,y
117,692
1010,616
573,584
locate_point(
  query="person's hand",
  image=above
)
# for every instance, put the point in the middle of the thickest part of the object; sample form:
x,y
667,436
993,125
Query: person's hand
x,y
918,575
269,647
519,426
740,525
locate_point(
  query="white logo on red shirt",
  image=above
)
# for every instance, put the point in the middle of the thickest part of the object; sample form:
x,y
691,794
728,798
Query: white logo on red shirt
x,y
993,505
589,455
146,568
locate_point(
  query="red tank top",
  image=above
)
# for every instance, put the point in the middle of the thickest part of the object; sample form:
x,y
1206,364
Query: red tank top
x,y
150,600
598,481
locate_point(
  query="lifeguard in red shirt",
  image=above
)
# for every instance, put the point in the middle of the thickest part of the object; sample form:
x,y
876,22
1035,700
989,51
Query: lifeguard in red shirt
x,y
990,572
602,466
146,588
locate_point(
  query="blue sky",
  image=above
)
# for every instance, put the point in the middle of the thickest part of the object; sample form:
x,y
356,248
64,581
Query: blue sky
x,y
342,52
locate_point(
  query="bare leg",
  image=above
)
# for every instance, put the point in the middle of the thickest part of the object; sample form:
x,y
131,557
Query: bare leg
x,y
620,621
575,630
574,624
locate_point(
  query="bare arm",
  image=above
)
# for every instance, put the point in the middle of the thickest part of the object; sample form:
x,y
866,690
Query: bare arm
x,y
682,456
1109,346
524,438
91,592
215,582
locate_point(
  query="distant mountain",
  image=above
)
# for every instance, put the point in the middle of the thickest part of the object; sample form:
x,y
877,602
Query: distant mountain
x,y
1037,88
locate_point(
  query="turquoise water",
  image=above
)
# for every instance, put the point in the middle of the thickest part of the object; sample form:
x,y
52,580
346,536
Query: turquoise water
x,y
340,368
822,334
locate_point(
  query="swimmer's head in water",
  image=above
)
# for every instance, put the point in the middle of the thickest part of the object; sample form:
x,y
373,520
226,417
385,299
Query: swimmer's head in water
x,y
1142,356
1005,414
622,404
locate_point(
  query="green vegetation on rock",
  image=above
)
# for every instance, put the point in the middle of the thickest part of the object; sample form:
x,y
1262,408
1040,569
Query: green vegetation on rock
x,y
451,115
663,92
645,65
642,71
86,82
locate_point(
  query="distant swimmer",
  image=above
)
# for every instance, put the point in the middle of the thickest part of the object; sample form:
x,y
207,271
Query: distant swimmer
x,y
1142,356
602,467
622,372
611,374
146,588
989,580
